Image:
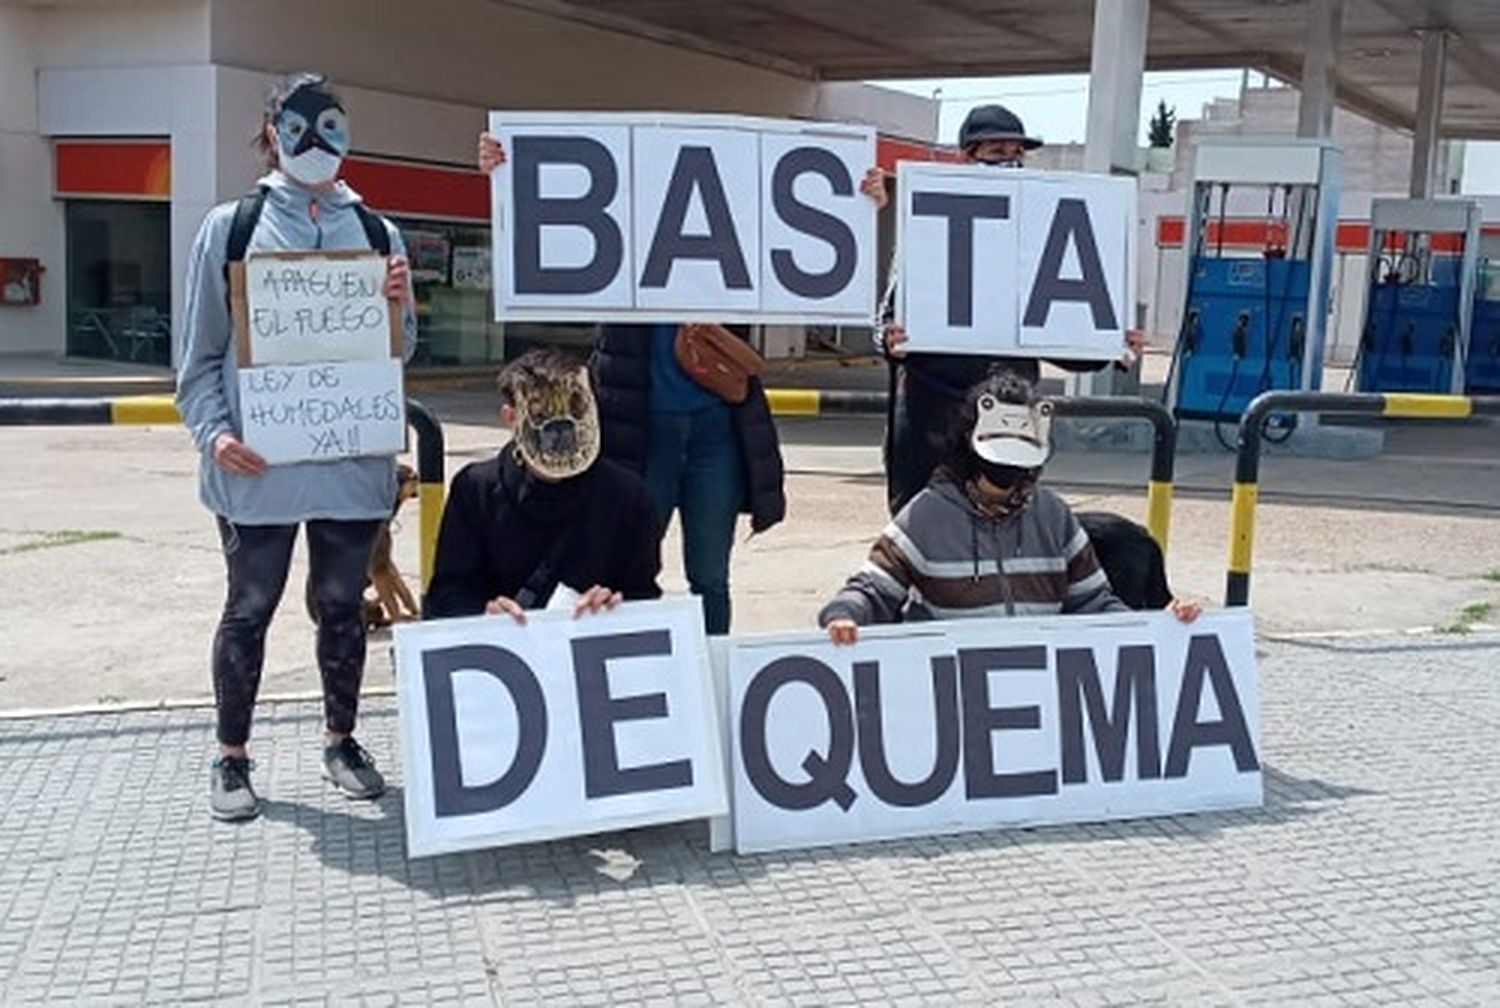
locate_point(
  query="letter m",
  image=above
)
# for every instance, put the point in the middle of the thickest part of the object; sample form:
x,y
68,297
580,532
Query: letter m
x,y
1079,692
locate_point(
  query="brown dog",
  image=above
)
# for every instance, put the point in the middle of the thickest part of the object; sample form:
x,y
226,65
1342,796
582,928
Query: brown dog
x,y
393,601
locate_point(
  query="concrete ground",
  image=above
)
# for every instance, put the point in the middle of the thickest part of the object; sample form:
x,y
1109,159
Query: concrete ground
x,y
1369,877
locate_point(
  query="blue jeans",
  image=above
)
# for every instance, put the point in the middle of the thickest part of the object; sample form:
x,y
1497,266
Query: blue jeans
x,y
694,464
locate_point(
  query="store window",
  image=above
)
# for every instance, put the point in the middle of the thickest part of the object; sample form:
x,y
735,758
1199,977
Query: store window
x,y
119,280
450,268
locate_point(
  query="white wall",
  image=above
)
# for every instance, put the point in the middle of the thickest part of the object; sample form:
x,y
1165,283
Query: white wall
x,y
30,221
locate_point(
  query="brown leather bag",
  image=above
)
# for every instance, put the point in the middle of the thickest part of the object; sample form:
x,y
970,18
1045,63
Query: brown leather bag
x,y
718,360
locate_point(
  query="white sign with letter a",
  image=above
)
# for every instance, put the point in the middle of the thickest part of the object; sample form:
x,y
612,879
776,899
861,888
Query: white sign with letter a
x,y
976,724
1015,263
560,727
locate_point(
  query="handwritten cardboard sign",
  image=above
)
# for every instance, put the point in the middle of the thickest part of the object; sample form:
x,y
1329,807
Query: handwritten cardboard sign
x,y
308,307
323,412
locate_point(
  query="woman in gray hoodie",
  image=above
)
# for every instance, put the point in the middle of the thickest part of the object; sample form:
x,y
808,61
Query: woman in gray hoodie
x,y
300,205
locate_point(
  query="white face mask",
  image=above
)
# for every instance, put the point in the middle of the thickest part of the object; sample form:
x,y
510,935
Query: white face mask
x,y
313,167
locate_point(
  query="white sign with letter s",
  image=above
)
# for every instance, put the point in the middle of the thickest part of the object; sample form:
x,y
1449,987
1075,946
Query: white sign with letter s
x,y
681,218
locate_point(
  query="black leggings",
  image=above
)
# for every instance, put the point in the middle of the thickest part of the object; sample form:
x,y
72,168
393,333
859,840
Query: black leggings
x,y
257,558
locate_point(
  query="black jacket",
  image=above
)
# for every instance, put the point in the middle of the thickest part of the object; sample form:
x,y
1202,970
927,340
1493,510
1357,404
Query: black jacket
x,y
622,385
951,375
500,524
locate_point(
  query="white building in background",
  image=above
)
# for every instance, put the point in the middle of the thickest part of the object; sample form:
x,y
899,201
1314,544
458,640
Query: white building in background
x,y
1376,163
121,124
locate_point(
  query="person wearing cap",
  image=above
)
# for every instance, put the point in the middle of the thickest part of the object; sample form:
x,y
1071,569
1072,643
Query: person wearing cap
x,y
983,538
546,521
928,388
299,204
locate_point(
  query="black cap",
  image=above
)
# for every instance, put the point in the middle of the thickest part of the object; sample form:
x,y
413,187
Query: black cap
x,y
993,122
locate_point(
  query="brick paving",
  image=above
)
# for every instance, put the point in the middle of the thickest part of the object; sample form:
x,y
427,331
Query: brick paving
x,y
1371,876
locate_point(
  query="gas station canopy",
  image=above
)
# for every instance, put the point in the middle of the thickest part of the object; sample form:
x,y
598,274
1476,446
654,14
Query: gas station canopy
x,y
1378,58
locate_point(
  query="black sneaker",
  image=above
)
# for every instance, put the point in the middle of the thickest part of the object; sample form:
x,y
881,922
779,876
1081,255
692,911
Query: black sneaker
x,y
230,797
350,769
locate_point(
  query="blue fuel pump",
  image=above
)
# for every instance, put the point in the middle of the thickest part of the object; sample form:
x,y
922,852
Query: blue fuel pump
x,y
1254,316
1420,296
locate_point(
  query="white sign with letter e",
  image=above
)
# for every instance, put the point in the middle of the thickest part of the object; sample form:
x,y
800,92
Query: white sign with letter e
x,y
323,412
976,724
563,726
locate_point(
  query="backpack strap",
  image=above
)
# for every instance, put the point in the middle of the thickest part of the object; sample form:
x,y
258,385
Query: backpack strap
x,y
246,215
375,229
538,589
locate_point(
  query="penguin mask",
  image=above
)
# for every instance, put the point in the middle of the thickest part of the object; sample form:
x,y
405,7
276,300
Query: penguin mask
x,y
312,133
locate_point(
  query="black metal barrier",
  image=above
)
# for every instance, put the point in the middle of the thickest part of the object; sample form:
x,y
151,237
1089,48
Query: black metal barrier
x,y
1247,466
162,410
815,402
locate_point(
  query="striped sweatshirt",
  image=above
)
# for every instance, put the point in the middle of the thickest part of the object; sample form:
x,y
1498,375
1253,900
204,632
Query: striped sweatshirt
x,y
939,558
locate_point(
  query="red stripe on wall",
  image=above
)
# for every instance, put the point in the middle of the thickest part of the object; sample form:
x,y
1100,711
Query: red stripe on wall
x,y
1241,233
137,169
417,190
889,150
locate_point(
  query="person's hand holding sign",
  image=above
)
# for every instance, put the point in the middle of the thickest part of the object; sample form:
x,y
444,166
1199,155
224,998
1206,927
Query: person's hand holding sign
x,y
491,153
895,340
843,631
398,279
873,186
596,599
500,605
233,456
1135,345
1186,610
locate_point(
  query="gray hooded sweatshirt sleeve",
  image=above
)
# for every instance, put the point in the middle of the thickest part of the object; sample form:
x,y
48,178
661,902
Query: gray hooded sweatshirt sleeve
x,y
352,489
940,559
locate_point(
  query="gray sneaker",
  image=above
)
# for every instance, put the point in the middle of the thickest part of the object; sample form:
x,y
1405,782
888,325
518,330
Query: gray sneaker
x,y
351,770
231,798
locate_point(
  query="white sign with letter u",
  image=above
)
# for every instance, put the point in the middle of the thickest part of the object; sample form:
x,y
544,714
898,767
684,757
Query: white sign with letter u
x,y
979,724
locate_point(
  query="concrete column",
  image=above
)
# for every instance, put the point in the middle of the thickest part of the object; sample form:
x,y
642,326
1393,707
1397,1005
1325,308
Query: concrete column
x,y
1424,148
1117,69
1325,24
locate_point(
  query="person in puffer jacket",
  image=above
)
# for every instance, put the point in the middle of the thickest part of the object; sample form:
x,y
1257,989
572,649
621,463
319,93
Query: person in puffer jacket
x,y
304,137
982,538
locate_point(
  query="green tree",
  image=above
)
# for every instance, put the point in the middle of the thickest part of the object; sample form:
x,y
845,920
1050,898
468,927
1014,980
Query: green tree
x,y
1160,131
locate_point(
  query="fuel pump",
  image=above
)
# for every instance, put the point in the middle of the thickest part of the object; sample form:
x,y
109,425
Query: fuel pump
x,y
1261,219
1482,363
1419,296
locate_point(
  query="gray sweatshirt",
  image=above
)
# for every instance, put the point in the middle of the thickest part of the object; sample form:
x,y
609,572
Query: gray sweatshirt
x,y
941,559
208,382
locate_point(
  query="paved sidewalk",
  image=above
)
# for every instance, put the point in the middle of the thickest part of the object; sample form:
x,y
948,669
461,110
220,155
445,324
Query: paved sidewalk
x,y
1372,875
